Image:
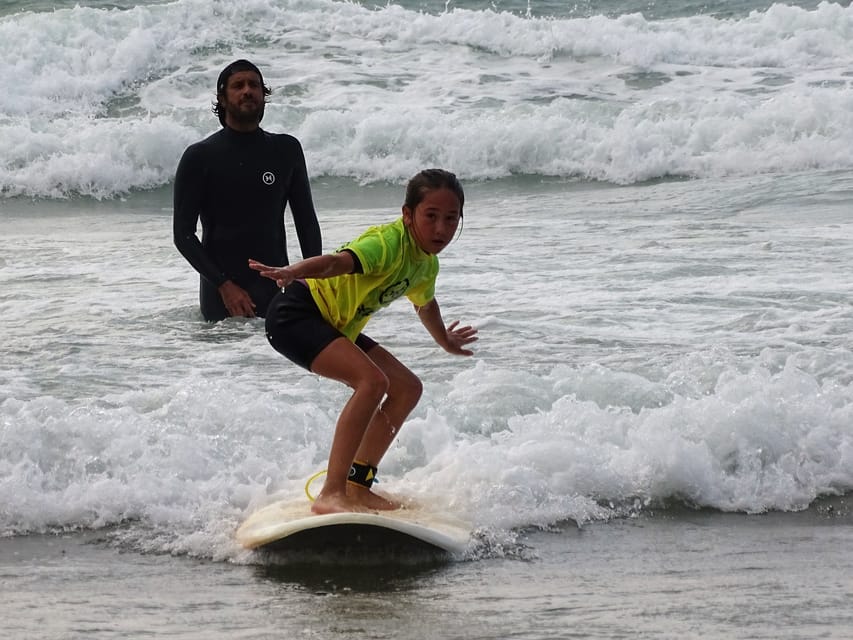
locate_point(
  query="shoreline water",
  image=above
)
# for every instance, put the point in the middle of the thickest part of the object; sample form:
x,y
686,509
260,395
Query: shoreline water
x,y
674,573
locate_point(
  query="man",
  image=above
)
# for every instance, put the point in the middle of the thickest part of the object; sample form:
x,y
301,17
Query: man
x,y
238,182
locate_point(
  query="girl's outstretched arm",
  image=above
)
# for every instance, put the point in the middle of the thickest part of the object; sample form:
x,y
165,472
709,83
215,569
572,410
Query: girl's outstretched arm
x,y
326,266
451,338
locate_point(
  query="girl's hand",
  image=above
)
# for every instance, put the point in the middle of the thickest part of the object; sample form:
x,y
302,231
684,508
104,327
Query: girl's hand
x,y
282,275
458,337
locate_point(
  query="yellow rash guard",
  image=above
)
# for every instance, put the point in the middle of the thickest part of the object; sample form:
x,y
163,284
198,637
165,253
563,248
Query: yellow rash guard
x,y
392,265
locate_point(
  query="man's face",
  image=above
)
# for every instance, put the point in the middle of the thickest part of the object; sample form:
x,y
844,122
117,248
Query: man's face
x,y
243,100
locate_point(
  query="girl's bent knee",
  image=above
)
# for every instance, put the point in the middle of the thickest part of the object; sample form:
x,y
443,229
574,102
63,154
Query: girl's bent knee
x,y
375,384
415,389
408,391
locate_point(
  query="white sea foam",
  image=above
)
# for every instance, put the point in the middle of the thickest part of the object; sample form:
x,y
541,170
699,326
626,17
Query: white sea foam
x,y
101,102
186,458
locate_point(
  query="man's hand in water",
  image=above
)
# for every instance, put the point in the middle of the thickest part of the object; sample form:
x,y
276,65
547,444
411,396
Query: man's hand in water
x,y
238,303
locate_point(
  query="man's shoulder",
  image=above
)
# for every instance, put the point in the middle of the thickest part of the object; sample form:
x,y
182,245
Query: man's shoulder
x,y
215,138
284,139
202,146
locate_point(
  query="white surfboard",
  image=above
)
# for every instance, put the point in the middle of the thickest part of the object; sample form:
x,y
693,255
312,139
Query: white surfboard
x,y
289,525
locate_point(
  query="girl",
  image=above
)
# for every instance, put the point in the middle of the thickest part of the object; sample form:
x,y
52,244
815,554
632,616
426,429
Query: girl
x,y
317,321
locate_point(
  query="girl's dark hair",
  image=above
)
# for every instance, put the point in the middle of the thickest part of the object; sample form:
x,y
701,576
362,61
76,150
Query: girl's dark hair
x,y
430,180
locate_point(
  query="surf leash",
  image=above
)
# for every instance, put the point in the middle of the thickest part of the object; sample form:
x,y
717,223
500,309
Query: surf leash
x,y
308,484
360,473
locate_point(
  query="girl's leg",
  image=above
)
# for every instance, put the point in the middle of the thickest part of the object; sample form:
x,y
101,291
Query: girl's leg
x,y
404,391
343,361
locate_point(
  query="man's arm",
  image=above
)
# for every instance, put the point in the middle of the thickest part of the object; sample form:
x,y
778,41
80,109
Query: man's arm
x,y
189,182
302,207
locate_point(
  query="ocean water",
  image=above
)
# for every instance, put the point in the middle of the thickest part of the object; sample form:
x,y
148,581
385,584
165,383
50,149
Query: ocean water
x,y
655,435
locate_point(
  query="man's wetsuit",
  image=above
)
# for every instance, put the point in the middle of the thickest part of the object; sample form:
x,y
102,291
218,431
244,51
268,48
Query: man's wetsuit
x,y
239,184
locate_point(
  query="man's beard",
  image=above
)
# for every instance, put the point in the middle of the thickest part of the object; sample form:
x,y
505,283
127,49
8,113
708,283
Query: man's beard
x,y
252,115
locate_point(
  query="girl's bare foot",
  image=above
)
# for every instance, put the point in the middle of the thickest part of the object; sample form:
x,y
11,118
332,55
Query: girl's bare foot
x,y
371,501
327,502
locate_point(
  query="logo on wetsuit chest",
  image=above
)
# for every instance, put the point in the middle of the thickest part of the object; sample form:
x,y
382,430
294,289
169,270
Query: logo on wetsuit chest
x,y
268,177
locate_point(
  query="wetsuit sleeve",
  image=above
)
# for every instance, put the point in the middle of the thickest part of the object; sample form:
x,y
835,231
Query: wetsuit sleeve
x,y
302,208
189,183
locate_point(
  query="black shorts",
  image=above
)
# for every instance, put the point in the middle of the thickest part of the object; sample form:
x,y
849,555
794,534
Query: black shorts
x,y
297,330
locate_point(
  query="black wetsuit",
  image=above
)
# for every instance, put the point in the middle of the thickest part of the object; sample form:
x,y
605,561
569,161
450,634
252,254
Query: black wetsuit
x,y
239,184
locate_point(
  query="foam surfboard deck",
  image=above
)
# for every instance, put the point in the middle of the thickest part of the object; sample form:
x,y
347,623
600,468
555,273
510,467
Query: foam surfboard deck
x,y
289,525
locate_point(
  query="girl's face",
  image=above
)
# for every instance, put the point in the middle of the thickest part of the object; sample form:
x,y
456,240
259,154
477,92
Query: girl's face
x,y
433,222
